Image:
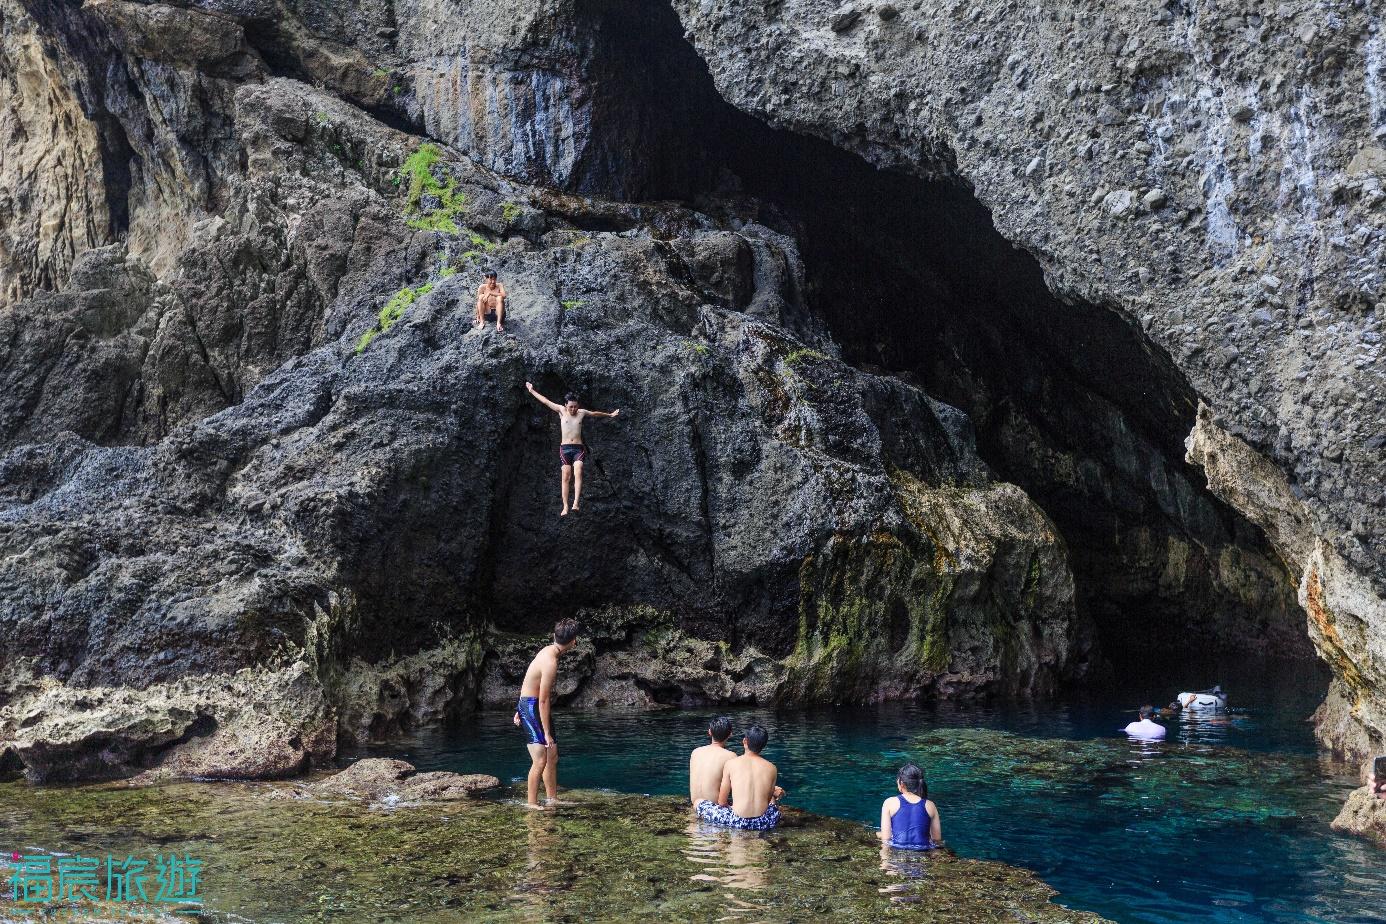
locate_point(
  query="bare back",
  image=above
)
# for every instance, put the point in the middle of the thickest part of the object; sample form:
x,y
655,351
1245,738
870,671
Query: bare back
x,y
571,425
540,674
752,784
705,767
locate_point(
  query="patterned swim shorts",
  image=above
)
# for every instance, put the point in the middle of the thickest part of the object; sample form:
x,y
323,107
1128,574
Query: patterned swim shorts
x,y
722,815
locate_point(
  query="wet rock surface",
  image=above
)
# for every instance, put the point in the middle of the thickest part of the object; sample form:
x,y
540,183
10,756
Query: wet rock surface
x,y
1363,814
596,857
382,779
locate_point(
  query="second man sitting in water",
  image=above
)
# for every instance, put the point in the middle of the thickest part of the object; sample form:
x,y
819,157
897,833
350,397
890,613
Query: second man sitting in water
x,y
747,793
572,451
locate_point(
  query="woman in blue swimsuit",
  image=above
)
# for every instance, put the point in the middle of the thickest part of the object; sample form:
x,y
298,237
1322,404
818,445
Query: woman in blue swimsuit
x,y
909,821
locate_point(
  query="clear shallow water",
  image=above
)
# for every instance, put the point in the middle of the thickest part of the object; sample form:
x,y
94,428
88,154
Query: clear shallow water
x,y
1226,821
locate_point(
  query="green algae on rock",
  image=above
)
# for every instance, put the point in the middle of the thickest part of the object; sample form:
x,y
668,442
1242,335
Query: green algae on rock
x,y
271,853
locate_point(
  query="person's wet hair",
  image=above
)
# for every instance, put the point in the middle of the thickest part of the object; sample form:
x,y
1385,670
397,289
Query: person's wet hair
x,y
490,274
720,728
566,631
756,736
912,778
570,398
1147,711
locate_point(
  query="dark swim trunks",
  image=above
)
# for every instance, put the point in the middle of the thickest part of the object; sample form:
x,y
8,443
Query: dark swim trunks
x,y
723,816
569,453
529,719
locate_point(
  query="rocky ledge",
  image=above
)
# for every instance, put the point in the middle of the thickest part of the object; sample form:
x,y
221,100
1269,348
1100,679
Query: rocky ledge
x,y
1364,814
385,780
597,857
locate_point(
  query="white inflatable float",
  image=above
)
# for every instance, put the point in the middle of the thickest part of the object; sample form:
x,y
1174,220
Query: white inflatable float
x,y
1213,700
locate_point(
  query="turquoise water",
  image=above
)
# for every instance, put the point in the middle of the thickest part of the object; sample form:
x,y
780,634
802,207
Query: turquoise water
x,y
1226,821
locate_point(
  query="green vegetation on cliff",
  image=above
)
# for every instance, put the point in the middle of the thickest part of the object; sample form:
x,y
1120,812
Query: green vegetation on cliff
x,y
425,188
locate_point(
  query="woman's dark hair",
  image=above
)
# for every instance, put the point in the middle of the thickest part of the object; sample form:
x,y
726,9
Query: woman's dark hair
x,y
720,728
912,778
566,631
570,397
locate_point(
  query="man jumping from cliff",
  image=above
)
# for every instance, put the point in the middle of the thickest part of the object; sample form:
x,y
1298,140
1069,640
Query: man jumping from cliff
x,y
572,451
534,712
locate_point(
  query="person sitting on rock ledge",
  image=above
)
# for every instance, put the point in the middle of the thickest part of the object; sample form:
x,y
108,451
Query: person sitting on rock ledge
x,y
533,713
490,300
747,794
572,451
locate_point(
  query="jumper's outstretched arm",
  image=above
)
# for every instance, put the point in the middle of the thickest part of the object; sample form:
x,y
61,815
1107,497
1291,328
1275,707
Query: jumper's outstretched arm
x,y
529,386
603,413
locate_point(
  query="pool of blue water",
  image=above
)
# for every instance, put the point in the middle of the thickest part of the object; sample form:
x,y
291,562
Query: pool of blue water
x,y
1226,821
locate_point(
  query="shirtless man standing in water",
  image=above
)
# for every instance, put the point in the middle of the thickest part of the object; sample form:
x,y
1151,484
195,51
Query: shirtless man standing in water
x,y
533,713
572,451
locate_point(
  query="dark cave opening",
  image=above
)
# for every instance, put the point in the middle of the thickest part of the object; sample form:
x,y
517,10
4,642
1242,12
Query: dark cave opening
x,y
1070,400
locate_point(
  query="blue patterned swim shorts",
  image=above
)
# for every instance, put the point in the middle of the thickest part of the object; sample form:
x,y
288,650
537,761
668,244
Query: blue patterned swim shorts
x,y
722,815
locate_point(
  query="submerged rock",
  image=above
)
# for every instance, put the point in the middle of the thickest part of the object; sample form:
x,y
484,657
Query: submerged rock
x,y
596,857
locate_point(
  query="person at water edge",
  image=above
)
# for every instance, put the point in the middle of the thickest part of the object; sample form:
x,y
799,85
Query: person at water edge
x,y
534,712
1144,727
572,451
490,299
705,763
909,820
1377,786
747,793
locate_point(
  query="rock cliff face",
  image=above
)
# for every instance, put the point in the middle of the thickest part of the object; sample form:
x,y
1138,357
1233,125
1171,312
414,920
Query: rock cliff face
x,y
263,487
1211,173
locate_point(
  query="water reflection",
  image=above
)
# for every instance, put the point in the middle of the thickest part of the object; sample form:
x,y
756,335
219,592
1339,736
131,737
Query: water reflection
x,y
542,874
737,861
908,867
1214,729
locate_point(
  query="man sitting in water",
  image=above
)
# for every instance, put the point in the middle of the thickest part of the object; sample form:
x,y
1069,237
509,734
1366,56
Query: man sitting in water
x,y
533,712
746,796
1145,728
705,763
572,451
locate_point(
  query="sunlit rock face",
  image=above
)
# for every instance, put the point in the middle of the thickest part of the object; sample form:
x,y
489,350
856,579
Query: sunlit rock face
x,y
1212,173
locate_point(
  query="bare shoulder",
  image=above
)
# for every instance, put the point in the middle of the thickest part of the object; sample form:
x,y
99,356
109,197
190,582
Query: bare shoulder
x,y
890,802
929,805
